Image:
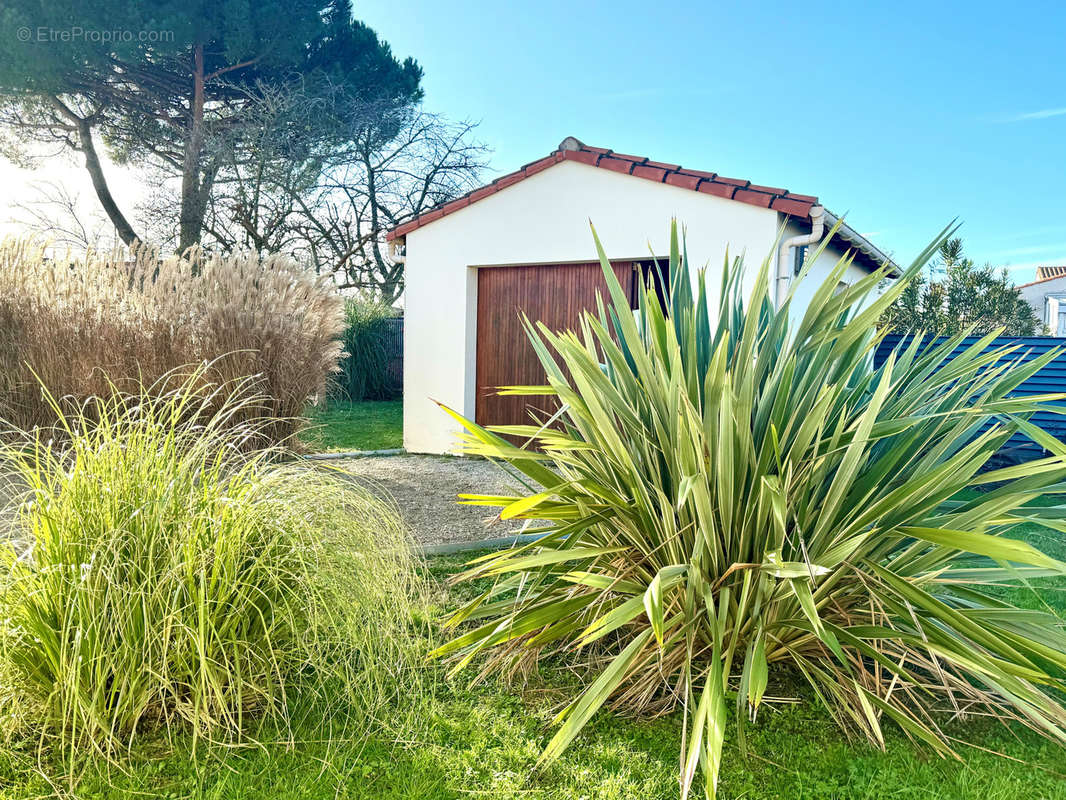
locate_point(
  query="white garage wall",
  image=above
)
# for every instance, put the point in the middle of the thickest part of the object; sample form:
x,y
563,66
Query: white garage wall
x,y
820,270
543,219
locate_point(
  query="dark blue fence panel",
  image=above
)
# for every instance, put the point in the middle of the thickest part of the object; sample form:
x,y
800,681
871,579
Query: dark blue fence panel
x,y
394,348
1050,379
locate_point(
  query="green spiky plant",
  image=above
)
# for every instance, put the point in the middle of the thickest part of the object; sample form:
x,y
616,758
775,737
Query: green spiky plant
x,y
732,498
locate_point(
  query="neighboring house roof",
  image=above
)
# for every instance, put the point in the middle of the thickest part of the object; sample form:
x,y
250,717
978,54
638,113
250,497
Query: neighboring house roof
x,y
1044,279
571,149
1043,273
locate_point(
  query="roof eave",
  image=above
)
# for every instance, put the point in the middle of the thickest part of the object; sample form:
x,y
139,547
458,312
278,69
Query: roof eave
x,y
869,252
1038,281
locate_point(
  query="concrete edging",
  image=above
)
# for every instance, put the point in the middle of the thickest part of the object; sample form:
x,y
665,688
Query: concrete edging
x,y
355,454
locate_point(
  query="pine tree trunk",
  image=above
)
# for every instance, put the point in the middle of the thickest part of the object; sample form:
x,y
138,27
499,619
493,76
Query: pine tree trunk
x,y
84,128
103,191
193,202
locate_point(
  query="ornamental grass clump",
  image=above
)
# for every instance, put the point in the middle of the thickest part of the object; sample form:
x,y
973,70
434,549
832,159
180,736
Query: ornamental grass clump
x,y
103,323
159,576
736,497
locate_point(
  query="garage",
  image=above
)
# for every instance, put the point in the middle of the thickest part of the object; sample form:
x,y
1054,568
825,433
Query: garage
x,y
523,244
555,294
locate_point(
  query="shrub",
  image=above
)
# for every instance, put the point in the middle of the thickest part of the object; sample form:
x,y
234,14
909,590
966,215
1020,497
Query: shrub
x,y
173,579
365,369
732,498
102,324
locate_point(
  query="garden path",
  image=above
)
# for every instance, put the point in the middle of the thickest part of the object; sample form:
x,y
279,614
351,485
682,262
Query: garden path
x,y
425,488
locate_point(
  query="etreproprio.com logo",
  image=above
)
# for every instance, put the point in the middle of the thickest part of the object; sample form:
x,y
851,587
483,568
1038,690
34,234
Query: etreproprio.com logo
x,y
75,33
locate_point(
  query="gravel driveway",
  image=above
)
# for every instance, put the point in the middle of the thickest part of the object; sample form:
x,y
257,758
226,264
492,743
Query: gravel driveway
x,y
425,489
9,489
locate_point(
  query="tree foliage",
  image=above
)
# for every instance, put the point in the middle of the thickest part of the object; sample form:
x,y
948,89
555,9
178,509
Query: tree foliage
x,y
966,296
332,209
175,84
376,183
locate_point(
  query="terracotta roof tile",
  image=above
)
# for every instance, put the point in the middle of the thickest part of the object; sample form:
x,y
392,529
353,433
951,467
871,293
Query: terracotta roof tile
x,y
732,181
651,173
1045,272
717,189
484,191
1045,279
405,229
429,216
768,189
753,198
540,164
583,156
508,180
682,180
615,164
790,205
797,205
455,205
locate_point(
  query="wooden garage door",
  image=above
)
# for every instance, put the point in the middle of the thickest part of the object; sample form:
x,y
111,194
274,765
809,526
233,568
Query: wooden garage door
x,y
554,294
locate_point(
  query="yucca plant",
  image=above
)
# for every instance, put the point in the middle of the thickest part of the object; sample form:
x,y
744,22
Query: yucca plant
x,y
730,498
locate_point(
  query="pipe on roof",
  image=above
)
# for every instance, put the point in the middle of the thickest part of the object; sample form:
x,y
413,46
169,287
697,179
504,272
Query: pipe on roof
x,y
784,268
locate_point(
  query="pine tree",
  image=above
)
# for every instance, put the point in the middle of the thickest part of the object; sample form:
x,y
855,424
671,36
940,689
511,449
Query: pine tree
x,y
170,83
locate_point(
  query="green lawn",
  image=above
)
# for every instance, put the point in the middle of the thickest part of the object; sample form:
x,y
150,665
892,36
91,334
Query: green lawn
x,y
485,744
366,425
463,742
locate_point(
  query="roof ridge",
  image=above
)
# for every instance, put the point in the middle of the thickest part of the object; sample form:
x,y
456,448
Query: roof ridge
x,y
573,149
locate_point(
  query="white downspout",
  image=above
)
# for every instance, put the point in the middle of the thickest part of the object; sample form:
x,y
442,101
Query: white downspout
x,y
394,251
784,262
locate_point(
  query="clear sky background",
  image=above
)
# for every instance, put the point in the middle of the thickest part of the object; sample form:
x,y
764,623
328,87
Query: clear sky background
x,y
903,115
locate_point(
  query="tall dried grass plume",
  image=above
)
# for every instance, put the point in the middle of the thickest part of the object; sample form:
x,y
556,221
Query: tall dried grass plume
x,y
94,325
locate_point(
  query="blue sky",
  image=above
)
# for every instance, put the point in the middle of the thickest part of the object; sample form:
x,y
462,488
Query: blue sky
x,y
902,115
